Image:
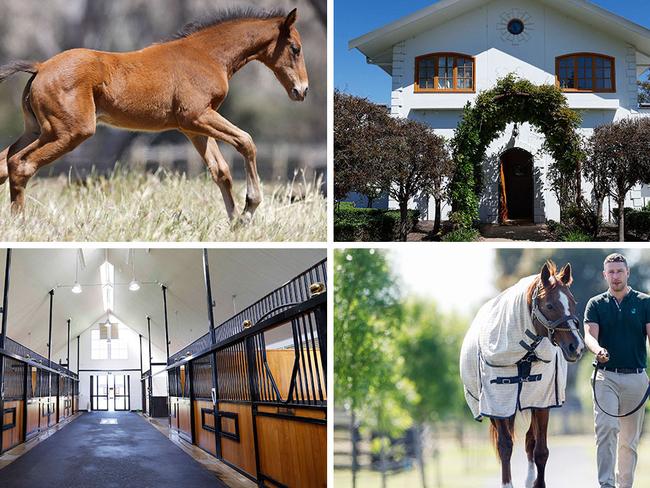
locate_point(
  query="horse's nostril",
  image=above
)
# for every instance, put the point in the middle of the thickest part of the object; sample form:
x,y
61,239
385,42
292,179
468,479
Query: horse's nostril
x,y
295,92
572,347
306,90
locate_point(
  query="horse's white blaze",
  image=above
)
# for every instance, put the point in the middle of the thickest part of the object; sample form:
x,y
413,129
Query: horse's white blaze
x,y
564,300
530,479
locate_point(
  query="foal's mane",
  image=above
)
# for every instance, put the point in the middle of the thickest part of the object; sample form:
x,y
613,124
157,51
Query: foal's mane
x,y
227,15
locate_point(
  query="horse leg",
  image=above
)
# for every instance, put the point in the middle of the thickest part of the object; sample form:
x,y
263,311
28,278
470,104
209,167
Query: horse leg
x,y
32,131
504,429
211,124
54,141
530,447
208,148
540,453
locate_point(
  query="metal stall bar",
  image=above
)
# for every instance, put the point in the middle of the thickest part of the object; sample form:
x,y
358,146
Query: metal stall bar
x,y
67,359
213,364
3,337
49,360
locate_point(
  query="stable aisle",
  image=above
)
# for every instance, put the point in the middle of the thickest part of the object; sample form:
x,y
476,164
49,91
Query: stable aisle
x,y
90,454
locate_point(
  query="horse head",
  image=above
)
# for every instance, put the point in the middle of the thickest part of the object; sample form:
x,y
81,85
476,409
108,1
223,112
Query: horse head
x,y
553,309
287,60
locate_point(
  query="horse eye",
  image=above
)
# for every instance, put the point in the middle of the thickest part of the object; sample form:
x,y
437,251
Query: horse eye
x,y
549,306
295,49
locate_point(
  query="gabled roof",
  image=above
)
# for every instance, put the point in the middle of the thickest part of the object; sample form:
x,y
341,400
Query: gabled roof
x,y
249,274
377,45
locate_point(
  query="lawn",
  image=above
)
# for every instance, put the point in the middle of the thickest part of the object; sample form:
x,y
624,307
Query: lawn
x,y
132,206
454,468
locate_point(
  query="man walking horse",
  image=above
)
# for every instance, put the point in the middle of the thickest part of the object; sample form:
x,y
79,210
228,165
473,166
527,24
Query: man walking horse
x,y
179,84
617,324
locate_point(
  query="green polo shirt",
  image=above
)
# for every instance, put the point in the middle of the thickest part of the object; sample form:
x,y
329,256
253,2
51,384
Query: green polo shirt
x,y
621,327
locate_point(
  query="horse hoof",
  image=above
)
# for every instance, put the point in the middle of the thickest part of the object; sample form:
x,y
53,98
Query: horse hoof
x,y
243,220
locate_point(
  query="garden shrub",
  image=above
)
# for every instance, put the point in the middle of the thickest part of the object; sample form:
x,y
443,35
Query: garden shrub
x,y
369,224
462,235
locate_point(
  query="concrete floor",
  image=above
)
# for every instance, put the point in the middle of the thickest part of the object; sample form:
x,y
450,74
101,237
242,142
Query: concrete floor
x,y
126,451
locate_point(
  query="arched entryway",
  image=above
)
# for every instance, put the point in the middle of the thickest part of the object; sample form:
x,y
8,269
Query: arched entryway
x,y
516,202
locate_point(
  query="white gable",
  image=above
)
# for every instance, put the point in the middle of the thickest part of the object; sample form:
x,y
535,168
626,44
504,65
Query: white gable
x,y
378,44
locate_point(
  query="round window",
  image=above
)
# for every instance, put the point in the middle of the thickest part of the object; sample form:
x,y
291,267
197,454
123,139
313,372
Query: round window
x,y
515,27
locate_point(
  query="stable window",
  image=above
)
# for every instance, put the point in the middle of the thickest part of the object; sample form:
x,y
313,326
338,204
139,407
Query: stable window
x,y
585,72
98,347
444,72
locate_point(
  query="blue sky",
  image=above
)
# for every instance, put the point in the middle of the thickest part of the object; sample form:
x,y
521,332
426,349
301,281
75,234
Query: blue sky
x,y
357,17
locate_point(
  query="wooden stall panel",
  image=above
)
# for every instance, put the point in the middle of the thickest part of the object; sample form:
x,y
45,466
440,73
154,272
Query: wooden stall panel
x,y
33,415
292,452
52,419
240,453
205,438
184,418
281,367
13,423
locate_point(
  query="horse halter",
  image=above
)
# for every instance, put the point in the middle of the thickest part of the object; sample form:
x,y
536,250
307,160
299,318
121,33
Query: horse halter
x,y
551,327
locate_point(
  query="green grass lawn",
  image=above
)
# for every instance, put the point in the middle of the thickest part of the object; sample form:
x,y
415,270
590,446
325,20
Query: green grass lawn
x,y
131,206
478,467
454,469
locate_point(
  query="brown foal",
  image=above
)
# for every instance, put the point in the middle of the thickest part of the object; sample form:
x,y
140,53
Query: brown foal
x,y
179,84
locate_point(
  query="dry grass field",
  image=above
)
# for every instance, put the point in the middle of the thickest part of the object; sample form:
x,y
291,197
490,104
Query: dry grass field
x,y
130,206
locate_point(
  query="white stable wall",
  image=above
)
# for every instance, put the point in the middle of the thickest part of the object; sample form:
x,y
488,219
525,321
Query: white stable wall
x,y
130,366
479,33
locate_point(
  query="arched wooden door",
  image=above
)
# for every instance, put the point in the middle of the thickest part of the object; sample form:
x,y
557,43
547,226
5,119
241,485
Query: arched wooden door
x,y
516,186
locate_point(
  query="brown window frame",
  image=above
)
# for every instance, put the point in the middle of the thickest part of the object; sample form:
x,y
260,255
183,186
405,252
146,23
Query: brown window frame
x,y
593,57
434,57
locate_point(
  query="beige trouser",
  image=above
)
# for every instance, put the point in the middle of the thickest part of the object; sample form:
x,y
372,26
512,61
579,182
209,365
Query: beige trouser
x,y
618,393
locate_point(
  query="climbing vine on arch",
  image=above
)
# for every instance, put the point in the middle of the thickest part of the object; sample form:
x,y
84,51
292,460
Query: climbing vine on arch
x,y
515,100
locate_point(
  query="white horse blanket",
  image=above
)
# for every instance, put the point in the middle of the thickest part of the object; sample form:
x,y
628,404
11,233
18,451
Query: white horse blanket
x,y
495,386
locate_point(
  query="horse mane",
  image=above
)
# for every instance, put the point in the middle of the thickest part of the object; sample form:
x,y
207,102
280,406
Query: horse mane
x,y
227,15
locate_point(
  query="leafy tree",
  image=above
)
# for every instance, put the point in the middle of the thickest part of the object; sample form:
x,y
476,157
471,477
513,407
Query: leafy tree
x,y
358,125
366,315
417,161
431,349
620,155
375,153
644,90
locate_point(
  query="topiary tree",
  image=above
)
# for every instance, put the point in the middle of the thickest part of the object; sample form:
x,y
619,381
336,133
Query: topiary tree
x,y
514,100
620,159
416,160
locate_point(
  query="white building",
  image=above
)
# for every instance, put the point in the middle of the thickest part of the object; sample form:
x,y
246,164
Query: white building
x,y
440,57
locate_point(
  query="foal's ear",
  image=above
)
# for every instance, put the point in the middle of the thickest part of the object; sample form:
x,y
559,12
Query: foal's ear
x,y
545,274
565,275
291,19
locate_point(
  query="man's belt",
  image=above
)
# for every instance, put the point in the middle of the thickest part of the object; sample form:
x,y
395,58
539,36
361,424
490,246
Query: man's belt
x,y
623,370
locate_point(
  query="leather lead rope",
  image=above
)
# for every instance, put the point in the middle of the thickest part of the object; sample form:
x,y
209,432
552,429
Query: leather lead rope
x,y
598,366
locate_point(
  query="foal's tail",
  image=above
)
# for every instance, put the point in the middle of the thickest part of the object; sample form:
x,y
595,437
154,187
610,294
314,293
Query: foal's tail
x,y
17,66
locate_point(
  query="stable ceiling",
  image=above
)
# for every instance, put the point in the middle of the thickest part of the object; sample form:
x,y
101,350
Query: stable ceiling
x,y
249,274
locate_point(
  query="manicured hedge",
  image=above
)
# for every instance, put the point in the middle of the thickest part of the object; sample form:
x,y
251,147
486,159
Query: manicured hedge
x,y
638,223
368,224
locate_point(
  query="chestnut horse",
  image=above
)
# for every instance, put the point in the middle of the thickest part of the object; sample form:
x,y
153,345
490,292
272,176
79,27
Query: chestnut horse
x,y
495,331
552,308
179,84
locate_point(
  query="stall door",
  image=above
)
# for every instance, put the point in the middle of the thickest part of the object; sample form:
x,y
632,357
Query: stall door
x,y
14,390
33,403
234,409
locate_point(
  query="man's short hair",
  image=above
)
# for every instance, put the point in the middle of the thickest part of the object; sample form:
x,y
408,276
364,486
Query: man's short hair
x,y
615,258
